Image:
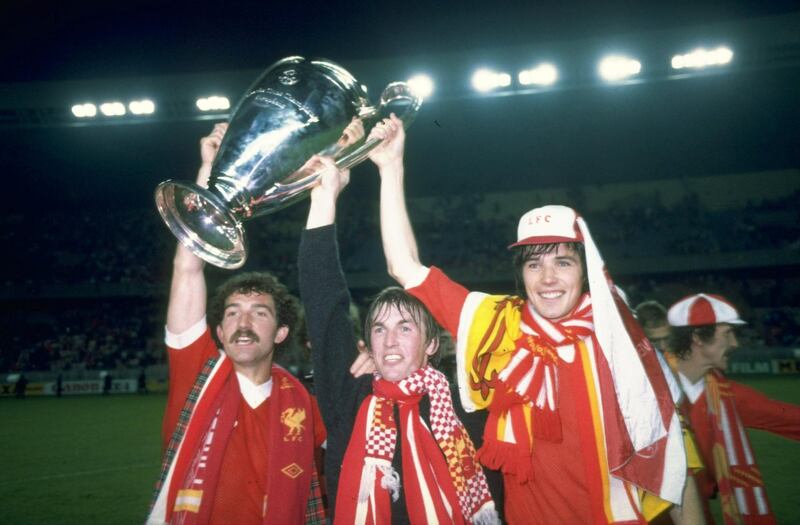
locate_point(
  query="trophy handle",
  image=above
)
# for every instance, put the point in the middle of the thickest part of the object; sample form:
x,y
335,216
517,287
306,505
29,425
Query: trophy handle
x,y
396,94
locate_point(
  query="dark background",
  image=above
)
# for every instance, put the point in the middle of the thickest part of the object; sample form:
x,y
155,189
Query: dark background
x,y
741,121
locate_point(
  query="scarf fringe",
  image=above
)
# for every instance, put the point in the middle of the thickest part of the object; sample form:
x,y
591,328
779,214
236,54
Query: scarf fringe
x,y
390,480
487,515
367,481
508,458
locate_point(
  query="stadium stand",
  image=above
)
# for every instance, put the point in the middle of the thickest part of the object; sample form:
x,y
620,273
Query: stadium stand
x,y
85,291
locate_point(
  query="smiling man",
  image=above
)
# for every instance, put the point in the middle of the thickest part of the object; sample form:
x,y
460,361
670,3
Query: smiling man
x,y
719,410
238,432
396,451
579,412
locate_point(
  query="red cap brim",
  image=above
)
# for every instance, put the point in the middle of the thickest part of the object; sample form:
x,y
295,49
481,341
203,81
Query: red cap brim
x,y
550,239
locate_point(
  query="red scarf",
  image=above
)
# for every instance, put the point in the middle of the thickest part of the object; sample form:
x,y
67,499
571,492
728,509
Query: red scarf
x,y
741,488
443,481
191,478
531,379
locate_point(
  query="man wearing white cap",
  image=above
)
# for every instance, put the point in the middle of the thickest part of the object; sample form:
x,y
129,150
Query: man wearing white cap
x,y
719,409
580,416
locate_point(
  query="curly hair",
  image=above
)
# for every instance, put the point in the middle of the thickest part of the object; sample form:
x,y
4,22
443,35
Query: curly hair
x,y
396,297
287,308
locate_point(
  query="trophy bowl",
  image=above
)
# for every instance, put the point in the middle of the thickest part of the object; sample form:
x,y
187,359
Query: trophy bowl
x,y
296,109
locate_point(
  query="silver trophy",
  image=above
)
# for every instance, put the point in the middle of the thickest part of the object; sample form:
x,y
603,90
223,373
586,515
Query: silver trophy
x,y
296,109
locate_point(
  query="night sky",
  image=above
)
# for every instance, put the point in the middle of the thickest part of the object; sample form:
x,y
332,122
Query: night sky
x,y
711,125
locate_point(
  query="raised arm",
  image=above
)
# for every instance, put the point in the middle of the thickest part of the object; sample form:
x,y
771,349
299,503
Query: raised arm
x,y
322,211
326,300
187,295
399,243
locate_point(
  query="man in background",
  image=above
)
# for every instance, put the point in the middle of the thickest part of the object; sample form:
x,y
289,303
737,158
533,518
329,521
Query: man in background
x,y
719,410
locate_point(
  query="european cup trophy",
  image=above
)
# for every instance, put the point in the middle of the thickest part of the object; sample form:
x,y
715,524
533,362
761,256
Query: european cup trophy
x,y
296,109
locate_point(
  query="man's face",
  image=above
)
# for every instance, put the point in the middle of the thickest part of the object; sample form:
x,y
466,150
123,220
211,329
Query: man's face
x,y
659,336
398,344
249,329
715,352
553,282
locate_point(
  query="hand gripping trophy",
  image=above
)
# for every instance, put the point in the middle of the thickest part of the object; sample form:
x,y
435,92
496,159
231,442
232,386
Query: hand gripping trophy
x,y
297,109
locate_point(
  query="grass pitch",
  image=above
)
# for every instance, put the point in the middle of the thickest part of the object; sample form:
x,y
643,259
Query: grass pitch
x,y
79,460
93,459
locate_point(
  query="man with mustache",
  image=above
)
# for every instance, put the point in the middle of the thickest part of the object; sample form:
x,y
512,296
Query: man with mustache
x,y
719,410
239,431
652,317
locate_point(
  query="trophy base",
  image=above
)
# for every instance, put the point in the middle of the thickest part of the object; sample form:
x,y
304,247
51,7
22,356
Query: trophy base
x,y
201,222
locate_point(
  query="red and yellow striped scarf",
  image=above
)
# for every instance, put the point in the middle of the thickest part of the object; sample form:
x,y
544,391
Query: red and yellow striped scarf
x,y
491,331
743,497
525,403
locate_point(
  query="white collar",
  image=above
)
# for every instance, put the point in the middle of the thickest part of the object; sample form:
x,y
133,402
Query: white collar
x,y
692,391
252,393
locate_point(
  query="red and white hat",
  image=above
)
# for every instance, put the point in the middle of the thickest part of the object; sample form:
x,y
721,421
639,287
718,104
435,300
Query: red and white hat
x,y
548,224
703,309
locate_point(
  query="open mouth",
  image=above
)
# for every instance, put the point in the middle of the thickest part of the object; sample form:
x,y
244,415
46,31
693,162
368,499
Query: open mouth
x,y
551,295
244,338
392,358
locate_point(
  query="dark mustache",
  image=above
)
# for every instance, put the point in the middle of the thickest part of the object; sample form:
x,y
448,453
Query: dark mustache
x,y
244,332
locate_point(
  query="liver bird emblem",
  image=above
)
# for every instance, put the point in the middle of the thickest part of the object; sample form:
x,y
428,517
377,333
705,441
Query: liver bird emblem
x,y
293,418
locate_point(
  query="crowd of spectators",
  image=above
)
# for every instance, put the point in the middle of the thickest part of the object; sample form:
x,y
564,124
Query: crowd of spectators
x,y
688,228
85,254
134,248
82,335
124,333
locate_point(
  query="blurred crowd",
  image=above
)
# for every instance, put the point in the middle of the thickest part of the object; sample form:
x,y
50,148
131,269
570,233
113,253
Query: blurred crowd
x,y
82,335
85,290
133,247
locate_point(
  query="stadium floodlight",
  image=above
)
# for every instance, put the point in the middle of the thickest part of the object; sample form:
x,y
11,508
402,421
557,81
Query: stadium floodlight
x,y
142,107
86,110
112,109
213,103
618,67
542,75
485,80
700,58
421,85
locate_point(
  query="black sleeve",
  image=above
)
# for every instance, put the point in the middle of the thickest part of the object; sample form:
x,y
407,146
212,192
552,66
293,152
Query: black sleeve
x,y
326,300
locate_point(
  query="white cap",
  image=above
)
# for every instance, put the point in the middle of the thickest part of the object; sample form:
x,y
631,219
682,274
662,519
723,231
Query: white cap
x,y
703,309
548,224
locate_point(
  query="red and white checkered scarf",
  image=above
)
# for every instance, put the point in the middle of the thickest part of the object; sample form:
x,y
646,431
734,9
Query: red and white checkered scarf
x,y
443,481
